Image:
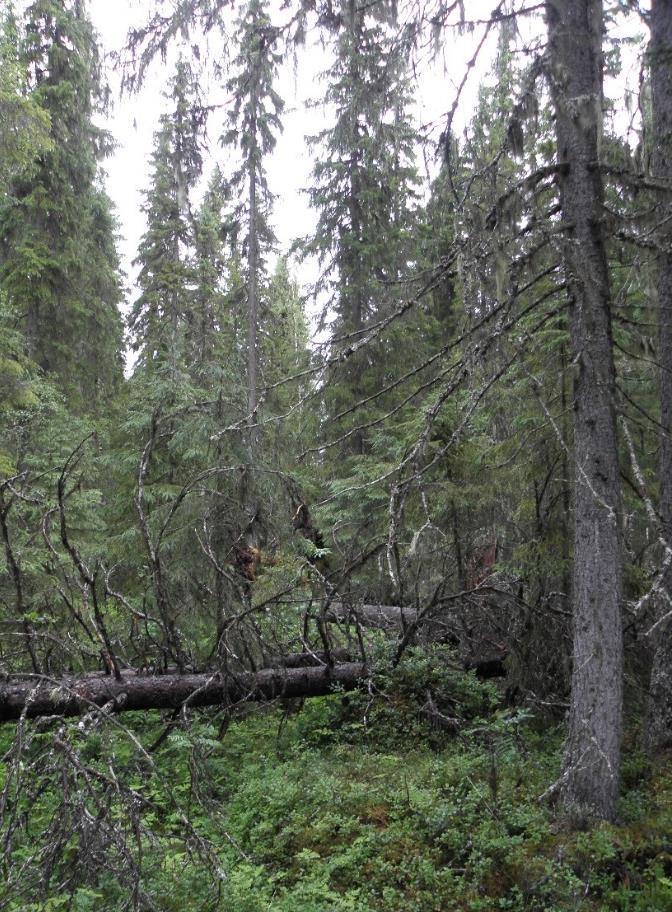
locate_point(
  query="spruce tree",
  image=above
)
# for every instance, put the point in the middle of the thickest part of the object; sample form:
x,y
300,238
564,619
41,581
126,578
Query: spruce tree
x,y
24,136
58,266
252,128
364,190
482,200
166,420
214,342
24,124
159,317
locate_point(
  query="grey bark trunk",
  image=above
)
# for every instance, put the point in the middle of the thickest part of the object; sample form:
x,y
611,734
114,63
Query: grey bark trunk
x,y
590,779
658,727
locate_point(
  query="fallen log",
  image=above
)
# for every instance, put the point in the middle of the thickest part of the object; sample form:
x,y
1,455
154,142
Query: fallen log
x,y
380,617
306,659
394,618
74,695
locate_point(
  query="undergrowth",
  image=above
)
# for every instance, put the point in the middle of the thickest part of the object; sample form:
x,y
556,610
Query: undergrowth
x,y
363,803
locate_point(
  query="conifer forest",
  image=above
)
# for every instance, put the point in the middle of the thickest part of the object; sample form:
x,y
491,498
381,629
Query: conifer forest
x,y
336,514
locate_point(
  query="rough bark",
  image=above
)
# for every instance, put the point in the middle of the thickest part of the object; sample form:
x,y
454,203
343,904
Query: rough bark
x,y
659,710
590,779
35,696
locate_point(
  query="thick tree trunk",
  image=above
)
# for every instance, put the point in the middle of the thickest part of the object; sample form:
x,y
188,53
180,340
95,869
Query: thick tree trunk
x,y
76,695
659,711
590,778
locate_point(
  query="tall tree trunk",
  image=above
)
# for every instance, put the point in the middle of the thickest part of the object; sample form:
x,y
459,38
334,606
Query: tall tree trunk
x,y
659,710
590,778
249,500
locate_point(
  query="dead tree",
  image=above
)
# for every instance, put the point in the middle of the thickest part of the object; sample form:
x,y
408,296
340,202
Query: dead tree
x,y
32,696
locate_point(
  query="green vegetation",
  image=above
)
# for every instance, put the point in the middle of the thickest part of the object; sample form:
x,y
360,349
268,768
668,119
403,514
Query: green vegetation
x,y
348,805
373,619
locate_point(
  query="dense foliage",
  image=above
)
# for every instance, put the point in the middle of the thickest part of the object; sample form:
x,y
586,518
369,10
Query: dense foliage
x,y
347,806
458,498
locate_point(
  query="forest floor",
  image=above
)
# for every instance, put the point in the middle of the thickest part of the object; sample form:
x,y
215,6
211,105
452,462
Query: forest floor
x,y
348,807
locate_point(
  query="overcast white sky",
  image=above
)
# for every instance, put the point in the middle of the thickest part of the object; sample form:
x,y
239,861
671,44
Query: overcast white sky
x,y
134,119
